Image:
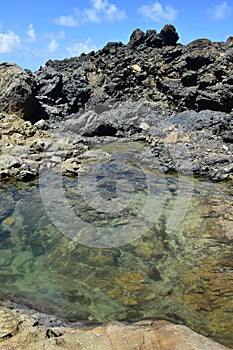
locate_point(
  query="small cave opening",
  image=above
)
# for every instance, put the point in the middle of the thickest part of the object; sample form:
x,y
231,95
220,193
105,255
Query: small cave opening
x,y
104,130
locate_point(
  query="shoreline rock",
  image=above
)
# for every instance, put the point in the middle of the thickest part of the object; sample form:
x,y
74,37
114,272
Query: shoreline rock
x,y
19,330
201,139
152,81
18,92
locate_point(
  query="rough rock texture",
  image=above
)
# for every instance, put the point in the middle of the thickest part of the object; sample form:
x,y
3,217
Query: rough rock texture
x,y
21,331
26,148
202,138
21,143
151,67
17,92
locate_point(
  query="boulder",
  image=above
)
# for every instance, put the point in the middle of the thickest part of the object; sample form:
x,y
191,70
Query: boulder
x,y
111,47
199,43
136,38
17,92
169,35
152,39
49,82
9,162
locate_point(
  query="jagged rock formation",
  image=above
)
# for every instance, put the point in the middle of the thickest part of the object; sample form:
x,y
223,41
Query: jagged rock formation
x,y
151,67
17,92
206,137
93,93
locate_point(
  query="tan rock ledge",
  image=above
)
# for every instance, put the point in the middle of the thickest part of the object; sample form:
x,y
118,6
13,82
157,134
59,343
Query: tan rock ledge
x,y
24,332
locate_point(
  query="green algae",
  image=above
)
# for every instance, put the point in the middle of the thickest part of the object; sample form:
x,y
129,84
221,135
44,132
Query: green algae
x,y
184,275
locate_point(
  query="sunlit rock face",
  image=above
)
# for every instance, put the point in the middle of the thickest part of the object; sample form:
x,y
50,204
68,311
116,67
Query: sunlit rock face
x,y
18,92
176,77
21,331
150,67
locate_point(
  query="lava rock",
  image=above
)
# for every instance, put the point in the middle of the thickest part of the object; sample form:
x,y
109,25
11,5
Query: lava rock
x,y
136,38
18,92
169,35
152,67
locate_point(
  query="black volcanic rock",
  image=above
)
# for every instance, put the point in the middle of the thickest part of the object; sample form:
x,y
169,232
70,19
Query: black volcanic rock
x,y
136,38
111,47
18,92
49,82
169,35
152,67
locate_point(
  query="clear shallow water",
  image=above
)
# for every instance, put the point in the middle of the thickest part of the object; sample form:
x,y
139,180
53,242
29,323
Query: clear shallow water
x,y
184,275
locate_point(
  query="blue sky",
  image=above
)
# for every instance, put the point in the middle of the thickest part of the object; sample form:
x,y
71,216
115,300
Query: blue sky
x,y
32,32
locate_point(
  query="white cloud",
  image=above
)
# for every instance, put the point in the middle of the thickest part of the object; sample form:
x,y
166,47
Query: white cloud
x,y
157,12
31,33
57,36
82,47
91,15
99,4
100,11
68,21
53,45
61,34
220,12
8,41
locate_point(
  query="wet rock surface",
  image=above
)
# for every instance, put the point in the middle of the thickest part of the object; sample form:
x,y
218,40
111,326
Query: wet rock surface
x,y
189,142
184,274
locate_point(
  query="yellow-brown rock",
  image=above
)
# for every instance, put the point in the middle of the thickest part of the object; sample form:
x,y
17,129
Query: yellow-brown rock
x,y
23,332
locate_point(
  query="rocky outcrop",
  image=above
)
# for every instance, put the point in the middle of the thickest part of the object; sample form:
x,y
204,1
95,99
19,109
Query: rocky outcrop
x,y
21,331
167,36
17,92
205,138
151,67
27,148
